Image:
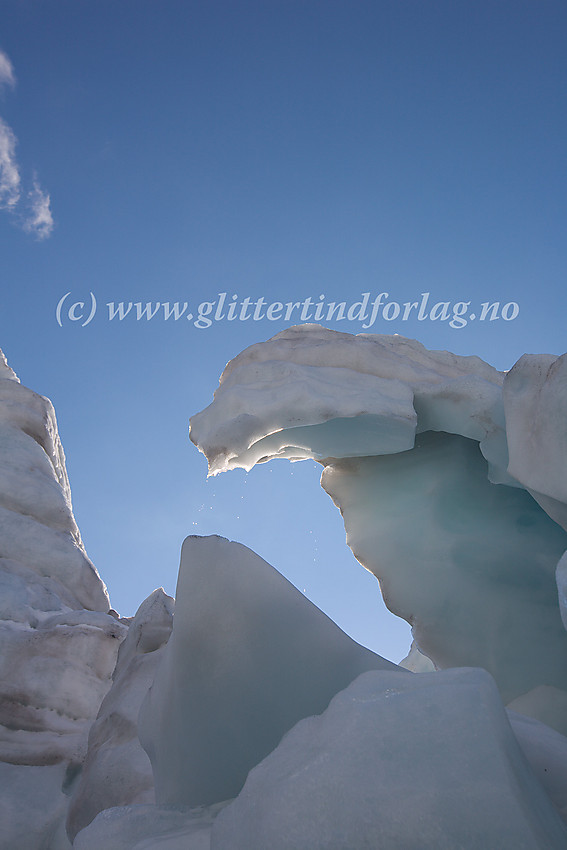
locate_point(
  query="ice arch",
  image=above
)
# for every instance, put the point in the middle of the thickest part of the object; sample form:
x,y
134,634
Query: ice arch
x,y
415,443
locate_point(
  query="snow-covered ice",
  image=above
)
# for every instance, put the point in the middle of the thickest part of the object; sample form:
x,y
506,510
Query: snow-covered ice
x,y
535,403
37,526
58,639
312,392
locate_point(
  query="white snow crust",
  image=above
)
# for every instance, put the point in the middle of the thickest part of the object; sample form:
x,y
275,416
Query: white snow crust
x,y
312,392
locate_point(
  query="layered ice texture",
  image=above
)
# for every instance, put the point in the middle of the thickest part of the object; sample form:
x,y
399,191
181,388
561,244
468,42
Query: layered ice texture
x,y
242,718
37,526
58,638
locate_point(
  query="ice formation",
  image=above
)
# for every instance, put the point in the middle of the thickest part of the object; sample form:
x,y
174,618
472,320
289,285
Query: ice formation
x,y
415,446
37,526
312,392
265,725
149,828
468,563
58,641
249,656
117,771
438,771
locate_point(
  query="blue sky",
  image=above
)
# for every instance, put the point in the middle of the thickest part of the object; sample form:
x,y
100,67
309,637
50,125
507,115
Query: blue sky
x,y
265,149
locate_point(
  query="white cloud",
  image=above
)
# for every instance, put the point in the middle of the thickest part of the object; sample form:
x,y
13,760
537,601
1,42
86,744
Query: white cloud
x,y
39,220
7,76
35,217
9,171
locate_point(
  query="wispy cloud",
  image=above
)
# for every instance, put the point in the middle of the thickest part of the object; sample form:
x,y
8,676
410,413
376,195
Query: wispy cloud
x,y
38,220
7,76
31,211
9,172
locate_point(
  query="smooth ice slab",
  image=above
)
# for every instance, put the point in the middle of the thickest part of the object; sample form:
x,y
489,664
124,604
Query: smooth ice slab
x,y
397,762
248,657
148,828
33,803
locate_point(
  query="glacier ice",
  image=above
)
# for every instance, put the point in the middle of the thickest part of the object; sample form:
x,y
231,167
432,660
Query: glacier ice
x,y
312,392
248,657
116,770
561,579
396,762
470,564
146,827
464,539
37,526
266,726
546,703
546,752
535,403
53,680
416,662
58,638
33,806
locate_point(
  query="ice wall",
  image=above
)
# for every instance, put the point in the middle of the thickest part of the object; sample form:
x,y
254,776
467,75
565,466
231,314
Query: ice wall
x,y
37,526
415,445
470,564
535,402
58,638
116,770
